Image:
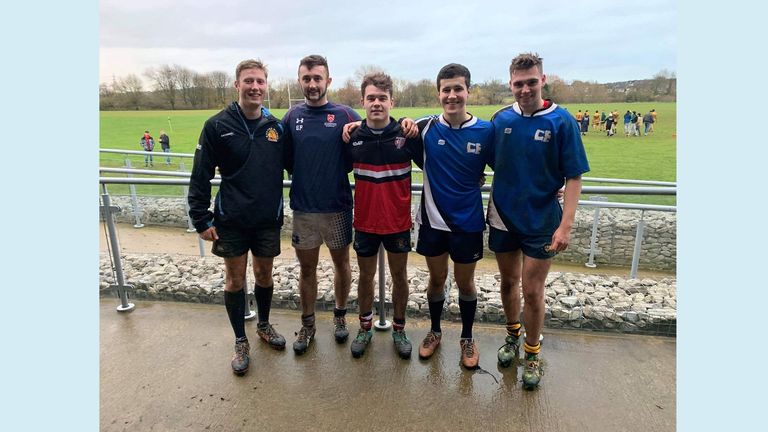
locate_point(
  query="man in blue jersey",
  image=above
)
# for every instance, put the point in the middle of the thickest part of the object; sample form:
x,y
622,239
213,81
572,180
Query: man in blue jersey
x,y
321,197
245,142
456,148
537,148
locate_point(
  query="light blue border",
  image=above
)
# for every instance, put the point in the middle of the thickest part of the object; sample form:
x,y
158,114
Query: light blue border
x,y
49,309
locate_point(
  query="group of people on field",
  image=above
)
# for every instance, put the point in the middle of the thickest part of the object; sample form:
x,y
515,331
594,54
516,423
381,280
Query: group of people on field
x,y
533,146
602,122
147,144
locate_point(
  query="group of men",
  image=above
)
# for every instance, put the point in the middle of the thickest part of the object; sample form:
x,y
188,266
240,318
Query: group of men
x,y
533,146
633,121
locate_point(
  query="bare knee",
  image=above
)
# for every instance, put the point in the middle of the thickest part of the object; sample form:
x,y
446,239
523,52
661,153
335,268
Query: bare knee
x,y
233,284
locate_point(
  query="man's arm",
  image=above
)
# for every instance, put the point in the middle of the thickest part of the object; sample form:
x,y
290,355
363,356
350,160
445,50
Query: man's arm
x,y
199,196
562,236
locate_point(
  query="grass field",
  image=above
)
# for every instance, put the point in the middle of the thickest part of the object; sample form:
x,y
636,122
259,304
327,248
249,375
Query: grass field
x,y
651,157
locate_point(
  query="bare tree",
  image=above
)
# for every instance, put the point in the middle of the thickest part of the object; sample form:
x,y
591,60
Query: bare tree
x,y
365,70
202,92
184,82
164,80
131,90
221,82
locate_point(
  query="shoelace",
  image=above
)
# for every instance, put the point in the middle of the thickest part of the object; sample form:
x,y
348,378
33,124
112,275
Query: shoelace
x,y
340,322
241,349
303,334
402,338
469,348
431,337
361,334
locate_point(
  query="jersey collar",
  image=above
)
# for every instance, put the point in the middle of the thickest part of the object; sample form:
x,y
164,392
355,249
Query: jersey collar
x,y
467,123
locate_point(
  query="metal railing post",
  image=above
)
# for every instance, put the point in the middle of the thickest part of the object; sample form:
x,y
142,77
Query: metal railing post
x,y
249,314
190,225
638,244
120,287
134,199
382,323
593,240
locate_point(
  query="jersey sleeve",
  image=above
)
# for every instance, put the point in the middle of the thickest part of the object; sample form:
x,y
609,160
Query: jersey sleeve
x,y
415,146
573,157
287,143
203,170
490,147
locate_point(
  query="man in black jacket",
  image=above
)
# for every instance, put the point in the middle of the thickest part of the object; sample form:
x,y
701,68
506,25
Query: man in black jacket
x,y
245,142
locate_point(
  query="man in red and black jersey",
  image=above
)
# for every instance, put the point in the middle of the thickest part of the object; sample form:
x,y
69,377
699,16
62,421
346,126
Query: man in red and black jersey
x,y
381,162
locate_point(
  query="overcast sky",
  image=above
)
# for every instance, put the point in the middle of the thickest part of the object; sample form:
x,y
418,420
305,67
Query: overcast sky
x,y
603,41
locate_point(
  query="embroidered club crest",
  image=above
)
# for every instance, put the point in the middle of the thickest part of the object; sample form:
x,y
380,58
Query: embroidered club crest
x,y
331,118
272,135
399,142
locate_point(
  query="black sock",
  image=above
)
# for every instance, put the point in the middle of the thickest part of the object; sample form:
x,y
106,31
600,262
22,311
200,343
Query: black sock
x,y
235,303
263,301
467,309
398,324
339,312
435,312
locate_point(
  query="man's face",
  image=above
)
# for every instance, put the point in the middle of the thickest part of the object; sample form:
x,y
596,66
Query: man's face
x,y
314,83
452,95
251,87
526,86
377,103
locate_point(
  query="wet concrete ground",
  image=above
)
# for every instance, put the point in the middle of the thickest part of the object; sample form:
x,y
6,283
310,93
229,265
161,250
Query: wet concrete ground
x,y
165,367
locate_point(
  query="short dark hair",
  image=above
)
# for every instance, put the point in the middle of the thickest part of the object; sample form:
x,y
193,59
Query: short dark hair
x,y
453,70
526,61
313,60
380,80
250,64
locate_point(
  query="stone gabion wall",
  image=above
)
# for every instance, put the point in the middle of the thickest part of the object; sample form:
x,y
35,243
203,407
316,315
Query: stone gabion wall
x,y
615,238
604,303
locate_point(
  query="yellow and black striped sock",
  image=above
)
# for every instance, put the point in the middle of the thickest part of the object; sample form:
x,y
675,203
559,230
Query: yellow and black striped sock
x,y
531,351
513,329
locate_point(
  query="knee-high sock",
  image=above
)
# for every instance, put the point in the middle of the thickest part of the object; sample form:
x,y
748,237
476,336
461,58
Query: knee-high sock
x,y
467,307
263,301
235,303
436,310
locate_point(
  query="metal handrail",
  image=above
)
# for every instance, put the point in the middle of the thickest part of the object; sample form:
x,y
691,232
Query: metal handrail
x,y
416,169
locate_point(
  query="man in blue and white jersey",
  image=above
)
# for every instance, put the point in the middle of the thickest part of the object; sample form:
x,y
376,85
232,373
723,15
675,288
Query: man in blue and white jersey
x,y
537,148
456,148
321,197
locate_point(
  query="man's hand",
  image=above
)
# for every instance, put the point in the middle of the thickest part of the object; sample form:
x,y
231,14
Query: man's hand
x,y
209,234
560,239
348,129
560,193
410,130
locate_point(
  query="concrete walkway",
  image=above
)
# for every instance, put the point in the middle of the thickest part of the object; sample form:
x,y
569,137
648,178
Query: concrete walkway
x,y
165,367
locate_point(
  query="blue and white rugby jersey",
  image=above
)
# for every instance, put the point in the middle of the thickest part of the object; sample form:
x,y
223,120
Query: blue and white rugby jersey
x,y
534,155
454,160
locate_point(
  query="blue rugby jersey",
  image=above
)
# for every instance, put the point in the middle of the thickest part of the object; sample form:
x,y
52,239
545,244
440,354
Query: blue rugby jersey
x,y
453,161
534,155
320,165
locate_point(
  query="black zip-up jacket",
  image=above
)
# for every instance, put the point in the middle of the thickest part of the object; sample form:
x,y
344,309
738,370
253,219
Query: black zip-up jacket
x,y
251,162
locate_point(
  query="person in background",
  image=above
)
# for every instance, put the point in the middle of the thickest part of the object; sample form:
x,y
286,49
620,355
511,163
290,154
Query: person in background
x,y
147,144
165,143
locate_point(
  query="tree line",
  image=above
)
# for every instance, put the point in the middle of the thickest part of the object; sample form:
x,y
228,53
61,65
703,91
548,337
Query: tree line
x,y
175,87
